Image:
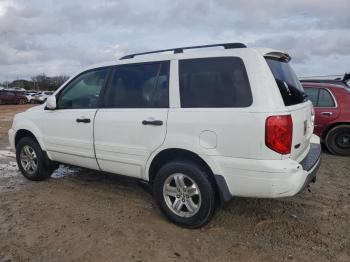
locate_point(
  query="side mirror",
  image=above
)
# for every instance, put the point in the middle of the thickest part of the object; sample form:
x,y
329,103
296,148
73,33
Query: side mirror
x,y
51,103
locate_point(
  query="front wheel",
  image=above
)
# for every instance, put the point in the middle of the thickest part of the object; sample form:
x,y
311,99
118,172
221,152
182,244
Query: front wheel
x,y
31,160
338,140
184,193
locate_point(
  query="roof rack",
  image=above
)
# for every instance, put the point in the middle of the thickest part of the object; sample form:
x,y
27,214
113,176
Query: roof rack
x,y
180,49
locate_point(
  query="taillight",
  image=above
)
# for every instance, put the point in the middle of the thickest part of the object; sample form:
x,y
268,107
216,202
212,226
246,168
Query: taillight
x,y
279,133
312,116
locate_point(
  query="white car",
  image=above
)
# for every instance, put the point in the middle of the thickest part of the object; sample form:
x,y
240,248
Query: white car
x,y
30,97
201,127
41,97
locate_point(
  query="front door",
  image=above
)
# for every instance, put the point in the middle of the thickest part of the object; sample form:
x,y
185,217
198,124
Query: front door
x,y
68,130
132,123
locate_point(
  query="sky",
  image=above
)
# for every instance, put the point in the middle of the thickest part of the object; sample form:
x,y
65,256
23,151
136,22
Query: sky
x,y
64,36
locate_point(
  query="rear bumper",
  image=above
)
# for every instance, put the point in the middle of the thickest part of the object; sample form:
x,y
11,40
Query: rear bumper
x,y
311,163
267,178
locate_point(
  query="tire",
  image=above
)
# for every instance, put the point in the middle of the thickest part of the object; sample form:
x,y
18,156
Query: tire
x,y
202,204
22,101
338,140
1,102
37,168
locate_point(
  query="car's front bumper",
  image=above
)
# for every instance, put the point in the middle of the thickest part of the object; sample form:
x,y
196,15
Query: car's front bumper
x,y
267,178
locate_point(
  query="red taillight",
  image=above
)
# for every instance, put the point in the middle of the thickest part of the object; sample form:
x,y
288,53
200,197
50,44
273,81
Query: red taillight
x,y
279,133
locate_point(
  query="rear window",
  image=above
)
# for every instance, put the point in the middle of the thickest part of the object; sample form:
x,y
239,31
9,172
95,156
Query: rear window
x,y
214,83
291,90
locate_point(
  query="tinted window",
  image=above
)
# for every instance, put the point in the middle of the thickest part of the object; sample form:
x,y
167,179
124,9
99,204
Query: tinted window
x,y
312,95
139,86
214,82
291,90
325,99
83,91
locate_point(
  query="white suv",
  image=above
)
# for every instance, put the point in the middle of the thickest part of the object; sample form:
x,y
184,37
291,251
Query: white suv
x,y
200,126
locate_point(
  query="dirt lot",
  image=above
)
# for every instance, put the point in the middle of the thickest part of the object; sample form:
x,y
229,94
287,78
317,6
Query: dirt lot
x,y
82,215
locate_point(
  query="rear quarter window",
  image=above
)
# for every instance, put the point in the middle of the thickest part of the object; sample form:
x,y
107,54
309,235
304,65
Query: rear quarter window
x,y
325,99
214,83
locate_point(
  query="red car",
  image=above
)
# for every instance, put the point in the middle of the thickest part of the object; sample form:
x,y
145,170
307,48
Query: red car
x,y
12,97
332,115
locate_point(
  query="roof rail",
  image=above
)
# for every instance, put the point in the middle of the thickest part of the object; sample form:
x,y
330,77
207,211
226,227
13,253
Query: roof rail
x,y
180,49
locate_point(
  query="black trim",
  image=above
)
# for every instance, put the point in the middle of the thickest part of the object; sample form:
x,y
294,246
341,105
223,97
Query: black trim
x,y
312,157
180,49
224,193
312,161
48,163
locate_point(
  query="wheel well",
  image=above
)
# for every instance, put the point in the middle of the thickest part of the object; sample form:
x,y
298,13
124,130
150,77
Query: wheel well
x,y
328,128
169,155
23,133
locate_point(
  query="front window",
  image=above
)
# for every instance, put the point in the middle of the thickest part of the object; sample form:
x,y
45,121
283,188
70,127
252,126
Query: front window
x,y
83,91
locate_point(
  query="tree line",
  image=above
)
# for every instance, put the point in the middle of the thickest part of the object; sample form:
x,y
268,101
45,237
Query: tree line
x,y
39,82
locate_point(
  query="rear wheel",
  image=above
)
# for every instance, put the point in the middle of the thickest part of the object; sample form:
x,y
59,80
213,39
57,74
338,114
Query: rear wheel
x,y
184,193
32,161
338,140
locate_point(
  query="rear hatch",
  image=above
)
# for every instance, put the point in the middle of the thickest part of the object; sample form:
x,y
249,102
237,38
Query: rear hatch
x,y
295,101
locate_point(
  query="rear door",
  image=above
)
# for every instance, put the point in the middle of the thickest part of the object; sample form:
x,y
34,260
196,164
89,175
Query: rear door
x,y
296,103
132,123
326,110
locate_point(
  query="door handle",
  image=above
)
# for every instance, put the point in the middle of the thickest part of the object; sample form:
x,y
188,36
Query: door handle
x,y
326,113
83,120
152,122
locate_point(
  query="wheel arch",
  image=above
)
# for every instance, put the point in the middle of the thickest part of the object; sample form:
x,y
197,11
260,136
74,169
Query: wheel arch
x,y
169,154
331,126
164,156
25,132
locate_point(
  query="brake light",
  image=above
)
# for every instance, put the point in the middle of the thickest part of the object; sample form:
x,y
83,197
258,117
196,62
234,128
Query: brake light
x,y
312,116
279,133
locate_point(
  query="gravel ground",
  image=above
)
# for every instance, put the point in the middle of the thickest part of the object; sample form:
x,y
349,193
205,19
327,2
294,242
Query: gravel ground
x,y
84,215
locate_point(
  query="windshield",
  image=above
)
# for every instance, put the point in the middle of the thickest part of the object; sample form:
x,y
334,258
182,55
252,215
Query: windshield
x,y
291,89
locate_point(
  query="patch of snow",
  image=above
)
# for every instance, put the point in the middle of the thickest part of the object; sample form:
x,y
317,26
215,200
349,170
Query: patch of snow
x,y
6,154
9,170
64,171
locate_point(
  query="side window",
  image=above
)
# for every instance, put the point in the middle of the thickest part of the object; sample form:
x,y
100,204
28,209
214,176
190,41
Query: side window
x,y
325,99
139,86
214,82
83,92
312,94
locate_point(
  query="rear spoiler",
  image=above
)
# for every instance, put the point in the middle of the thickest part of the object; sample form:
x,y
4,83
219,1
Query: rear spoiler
x,y
346,77
284,57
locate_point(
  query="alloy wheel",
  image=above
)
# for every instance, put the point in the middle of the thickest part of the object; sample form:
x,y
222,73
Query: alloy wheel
x,y
182,195
29,160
